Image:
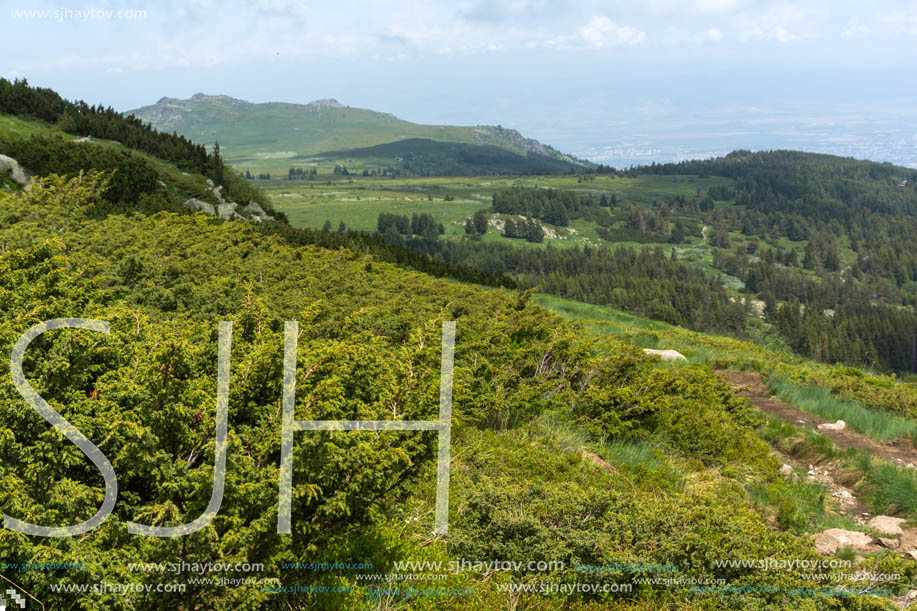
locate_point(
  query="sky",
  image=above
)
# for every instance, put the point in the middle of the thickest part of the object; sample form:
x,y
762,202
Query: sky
x,y
620,81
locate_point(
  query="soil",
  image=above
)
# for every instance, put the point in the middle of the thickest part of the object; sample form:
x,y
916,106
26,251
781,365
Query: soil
x,y
749,385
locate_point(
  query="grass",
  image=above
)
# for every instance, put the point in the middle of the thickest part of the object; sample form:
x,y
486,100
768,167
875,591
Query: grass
x,y
890,489
871,423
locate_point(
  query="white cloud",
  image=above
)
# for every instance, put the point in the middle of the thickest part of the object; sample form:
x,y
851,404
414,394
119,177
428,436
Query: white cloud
x,y
781,22
602,32
855,28
900,22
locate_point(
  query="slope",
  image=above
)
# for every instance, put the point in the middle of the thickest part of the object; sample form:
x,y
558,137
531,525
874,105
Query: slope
x,y
251,132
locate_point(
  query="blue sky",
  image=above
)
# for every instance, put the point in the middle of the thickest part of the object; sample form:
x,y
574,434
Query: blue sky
x,y
586,75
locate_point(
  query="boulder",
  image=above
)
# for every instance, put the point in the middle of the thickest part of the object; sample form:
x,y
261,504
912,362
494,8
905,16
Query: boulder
x,y
840,425
257,213
666,355
218,195
788,472
886,525
831,540
17,173
197,205
83,139
210,183
227,211
889,543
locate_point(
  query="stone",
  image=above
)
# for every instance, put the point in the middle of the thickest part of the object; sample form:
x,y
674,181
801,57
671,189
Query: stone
x,y
666,355
886,525
227,211
197,205
17,173
840,425
257,213
833,539
889,543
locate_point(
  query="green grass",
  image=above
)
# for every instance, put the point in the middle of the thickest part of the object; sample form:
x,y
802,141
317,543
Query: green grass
x,y
874,424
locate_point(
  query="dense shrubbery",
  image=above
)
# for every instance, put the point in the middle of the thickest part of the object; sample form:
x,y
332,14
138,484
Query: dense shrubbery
x,y
131,175
368,349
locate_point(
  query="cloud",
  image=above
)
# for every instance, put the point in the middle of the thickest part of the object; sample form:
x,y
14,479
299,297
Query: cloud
x,y
855,28
600,33
781,22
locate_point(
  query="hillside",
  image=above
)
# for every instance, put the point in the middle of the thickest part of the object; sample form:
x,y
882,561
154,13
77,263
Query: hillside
x,y
568,448
814,251
613,479
254,133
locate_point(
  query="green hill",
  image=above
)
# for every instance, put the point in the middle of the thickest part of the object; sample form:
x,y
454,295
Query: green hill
x,y
573,453
424,157
252,134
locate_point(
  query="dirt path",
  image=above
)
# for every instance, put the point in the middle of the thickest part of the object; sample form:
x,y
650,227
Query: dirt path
x,y
749,385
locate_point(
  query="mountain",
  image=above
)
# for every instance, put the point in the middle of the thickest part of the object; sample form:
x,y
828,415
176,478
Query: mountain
x,y
275,130
579,467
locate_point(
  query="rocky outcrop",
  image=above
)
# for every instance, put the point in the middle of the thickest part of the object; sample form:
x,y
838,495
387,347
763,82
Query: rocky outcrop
x,y
666,355
833,539
16,171
886,525
196,205
257,213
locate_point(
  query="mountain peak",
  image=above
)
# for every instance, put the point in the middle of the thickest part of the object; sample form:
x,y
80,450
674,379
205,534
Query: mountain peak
x,y
326,103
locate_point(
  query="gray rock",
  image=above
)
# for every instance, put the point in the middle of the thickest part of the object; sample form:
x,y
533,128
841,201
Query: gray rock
x,y
840,425
889,543
257,213
227,211
83,139
197,205
666,355
886,525
829,541
209,183
17,173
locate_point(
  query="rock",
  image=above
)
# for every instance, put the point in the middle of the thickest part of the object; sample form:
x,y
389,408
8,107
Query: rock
x,y
666,355
17,173
842,494
811,473
83,139
840,425
788,472
197,205
161,184
890,543
257,213
829,541
210,183
886,525
227,211
912,553
185,174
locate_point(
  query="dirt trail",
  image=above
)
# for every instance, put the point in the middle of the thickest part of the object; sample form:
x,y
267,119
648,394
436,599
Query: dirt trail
x,y
749,385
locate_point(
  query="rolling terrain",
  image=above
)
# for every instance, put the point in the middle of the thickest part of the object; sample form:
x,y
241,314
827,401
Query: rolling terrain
x,y
629,482
252,135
